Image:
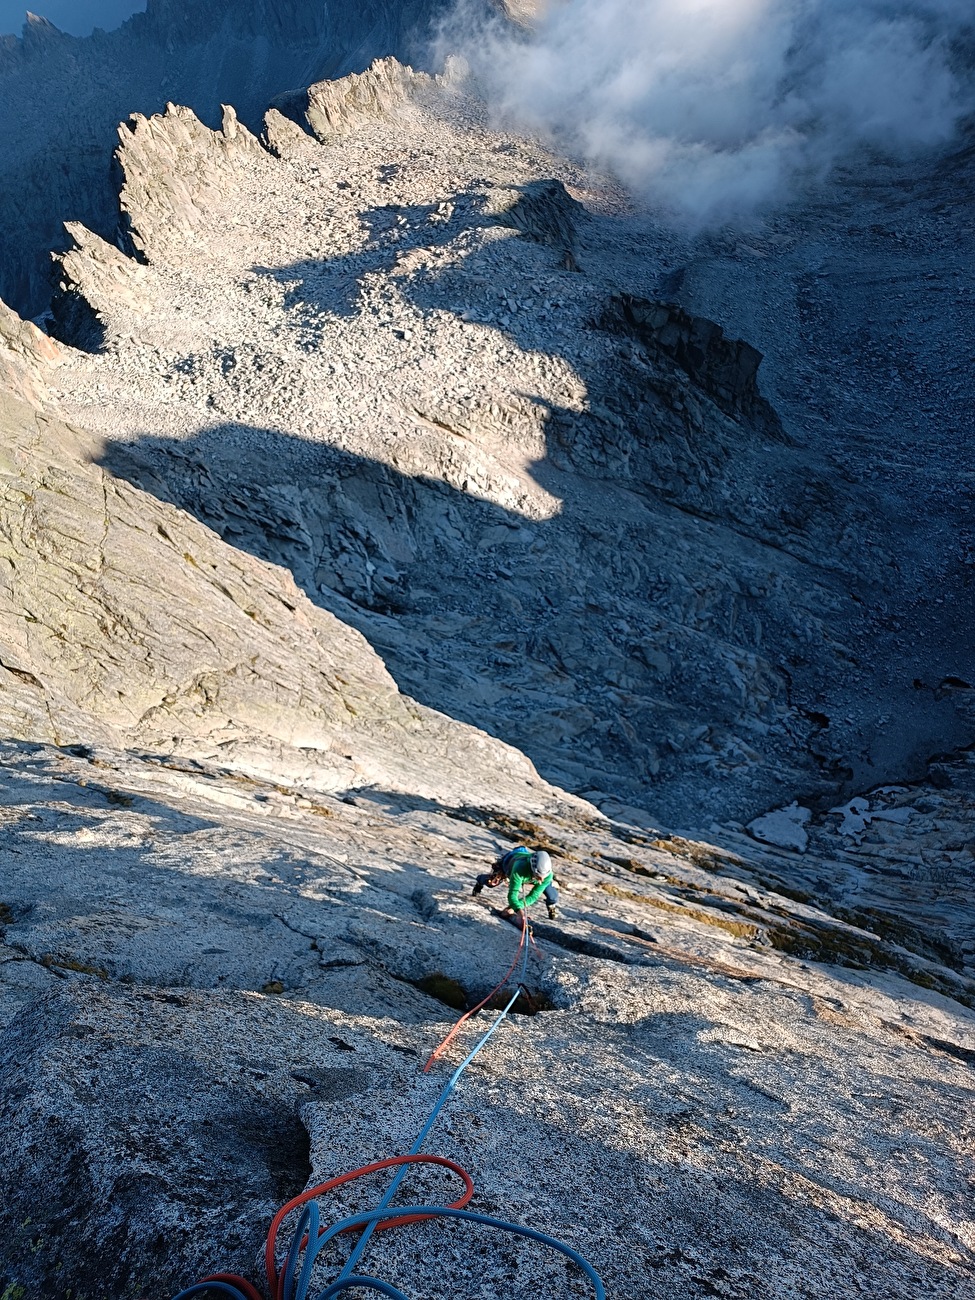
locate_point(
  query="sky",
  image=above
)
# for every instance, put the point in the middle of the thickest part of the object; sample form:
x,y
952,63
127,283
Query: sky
x,y
75,16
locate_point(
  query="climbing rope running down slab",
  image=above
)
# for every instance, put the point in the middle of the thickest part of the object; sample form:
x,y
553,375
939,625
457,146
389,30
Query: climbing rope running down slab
x,y
293,1280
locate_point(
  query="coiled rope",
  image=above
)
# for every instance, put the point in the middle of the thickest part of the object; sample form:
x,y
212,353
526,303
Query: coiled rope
x,y
294,1280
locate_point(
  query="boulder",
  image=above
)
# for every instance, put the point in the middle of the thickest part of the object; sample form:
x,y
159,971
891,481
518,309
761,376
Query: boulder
x,y
544,211
727,369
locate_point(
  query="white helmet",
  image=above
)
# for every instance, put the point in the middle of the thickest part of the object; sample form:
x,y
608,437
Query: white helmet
x,y
541,865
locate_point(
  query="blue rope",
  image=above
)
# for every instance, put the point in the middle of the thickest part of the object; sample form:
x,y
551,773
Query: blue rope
x,y
310,1220
373,1283
199,1288
371,1217
400,1174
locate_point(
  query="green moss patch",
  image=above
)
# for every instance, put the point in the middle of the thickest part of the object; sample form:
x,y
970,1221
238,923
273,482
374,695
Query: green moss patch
x,y
528,1003
740,929
631,864
116,797
810,941
701,855
517,829
71,963
895,929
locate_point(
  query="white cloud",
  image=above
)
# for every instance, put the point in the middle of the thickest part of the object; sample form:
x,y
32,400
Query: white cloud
x,y
716,108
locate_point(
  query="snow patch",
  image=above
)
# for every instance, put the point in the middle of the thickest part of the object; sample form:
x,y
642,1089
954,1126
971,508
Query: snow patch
x,y
784,828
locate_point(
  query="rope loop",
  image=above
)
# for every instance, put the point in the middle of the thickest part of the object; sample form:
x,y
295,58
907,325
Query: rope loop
x,y
294,1280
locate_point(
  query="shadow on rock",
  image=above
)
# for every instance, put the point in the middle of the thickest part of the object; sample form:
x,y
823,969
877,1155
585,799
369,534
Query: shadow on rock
x,y
674,636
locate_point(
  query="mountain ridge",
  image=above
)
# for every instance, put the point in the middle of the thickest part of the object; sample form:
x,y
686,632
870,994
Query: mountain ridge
x,y
395,492
61,98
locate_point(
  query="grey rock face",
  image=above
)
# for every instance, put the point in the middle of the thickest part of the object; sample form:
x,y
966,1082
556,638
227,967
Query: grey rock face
x,y
331,396
155,217
111,277
27,356
171,1134
546,212
336,107
231,1008
555,509
521,11
122,617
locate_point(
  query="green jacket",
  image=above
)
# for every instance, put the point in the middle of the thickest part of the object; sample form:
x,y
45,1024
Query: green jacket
x,y
520,875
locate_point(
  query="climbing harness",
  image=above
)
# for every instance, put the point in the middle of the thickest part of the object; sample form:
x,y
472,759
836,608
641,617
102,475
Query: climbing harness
x,y
294,1280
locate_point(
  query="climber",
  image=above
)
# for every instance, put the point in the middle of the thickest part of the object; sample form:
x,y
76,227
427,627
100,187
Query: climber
x,y
521,867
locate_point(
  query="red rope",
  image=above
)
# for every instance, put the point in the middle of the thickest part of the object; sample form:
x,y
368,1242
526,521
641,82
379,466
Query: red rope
x,y
443,1045
276,1282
